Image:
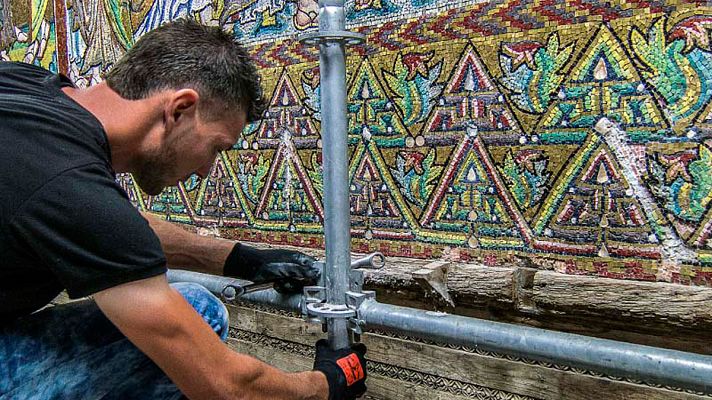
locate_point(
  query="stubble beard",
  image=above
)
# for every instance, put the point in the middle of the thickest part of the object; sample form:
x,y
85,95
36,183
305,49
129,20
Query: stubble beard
x,y
154,172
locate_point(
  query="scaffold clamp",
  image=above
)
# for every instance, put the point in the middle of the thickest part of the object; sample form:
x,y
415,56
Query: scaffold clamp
x,y
317,38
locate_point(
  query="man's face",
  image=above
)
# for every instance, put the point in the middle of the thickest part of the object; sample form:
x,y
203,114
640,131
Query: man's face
x,y
189,149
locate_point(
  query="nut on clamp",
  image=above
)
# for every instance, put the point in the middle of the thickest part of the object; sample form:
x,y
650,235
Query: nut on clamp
x,y
316,309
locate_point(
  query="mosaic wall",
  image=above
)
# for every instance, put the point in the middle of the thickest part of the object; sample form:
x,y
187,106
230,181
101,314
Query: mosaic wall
x,y
470,126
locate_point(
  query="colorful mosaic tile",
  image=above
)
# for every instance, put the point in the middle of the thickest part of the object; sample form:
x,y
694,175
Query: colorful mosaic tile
x,y
372,115
289,200
218,201
172,203
680,179
287,112
678,66
470,100
592,210
29,33
132,190
472,203
601,83
471,125
378,209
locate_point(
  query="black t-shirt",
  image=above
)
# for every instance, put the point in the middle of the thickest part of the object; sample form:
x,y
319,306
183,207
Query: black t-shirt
x,y
64,221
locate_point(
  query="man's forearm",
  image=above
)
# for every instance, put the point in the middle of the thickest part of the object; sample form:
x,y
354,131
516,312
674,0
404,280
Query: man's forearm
x,y
255,380
187,250
163,325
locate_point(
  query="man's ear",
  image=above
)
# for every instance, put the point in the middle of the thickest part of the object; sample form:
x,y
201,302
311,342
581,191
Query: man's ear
x,y
181,104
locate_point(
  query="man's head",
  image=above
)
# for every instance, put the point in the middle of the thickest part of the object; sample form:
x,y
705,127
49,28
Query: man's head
x,y
211,90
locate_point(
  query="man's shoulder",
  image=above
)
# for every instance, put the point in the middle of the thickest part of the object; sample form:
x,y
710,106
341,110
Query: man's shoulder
x,y
11,71
43,132
21,66
17,79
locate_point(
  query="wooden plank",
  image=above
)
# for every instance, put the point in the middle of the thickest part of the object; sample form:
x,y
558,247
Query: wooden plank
x,y
512,376
285,361
379,386
497,373
685,306
393,389
273,325
492,283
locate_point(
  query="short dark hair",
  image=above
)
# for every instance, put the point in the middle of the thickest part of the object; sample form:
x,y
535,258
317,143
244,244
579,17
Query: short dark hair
x,y
185,54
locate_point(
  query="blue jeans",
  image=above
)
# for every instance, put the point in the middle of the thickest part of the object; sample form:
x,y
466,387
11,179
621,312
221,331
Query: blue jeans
x,y
72,351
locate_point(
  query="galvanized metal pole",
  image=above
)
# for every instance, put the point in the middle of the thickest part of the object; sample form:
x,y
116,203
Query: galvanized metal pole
x,y
337,223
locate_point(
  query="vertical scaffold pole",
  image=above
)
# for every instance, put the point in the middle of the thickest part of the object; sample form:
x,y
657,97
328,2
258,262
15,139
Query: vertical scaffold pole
x,y
332,39
337,224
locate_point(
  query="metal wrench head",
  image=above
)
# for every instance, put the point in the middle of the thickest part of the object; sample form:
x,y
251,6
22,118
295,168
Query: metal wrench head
x,y
372,261
231,292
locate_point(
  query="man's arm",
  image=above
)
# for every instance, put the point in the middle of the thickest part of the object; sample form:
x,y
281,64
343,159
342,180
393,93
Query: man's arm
x,y
290,270
167,329
188,250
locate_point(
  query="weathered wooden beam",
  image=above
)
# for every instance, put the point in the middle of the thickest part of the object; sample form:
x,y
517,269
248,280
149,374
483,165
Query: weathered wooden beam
x,y
548,291
688,306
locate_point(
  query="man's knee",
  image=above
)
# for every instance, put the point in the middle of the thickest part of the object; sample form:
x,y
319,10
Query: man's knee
x,y
207,305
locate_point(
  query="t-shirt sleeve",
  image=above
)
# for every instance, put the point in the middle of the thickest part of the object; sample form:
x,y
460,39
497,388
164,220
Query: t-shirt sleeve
x,y
82,226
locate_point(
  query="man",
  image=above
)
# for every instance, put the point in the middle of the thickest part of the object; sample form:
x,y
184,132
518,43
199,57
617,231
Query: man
x,y
183,93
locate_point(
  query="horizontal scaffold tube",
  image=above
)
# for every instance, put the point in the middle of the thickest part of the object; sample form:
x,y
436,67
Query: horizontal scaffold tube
x,y
224,286
230,288
618,359
274,299
644,363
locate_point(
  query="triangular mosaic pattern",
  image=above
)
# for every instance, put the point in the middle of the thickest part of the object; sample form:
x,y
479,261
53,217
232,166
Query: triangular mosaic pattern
x,y
592,210
471,98
286,111
602,83
289,200
472,203
377,207
372,115
172,204
218,201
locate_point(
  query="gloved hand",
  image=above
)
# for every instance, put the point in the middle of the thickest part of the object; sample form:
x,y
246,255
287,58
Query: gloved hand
x,y
290,270
345,370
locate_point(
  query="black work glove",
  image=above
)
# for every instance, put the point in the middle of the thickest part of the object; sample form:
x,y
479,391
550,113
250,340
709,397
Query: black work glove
x,y
289,270
345,369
